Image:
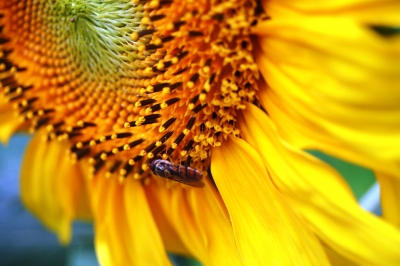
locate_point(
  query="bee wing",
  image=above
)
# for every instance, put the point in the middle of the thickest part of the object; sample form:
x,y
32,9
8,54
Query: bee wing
x,y
193,183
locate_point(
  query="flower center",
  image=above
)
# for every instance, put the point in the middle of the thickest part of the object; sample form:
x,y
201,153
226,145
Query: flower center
x,y
98,33
129,81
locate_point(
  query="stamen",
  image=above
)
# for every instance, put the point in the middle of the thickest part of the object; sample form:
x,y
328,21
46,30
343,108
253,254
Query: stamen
x,y
122,135
144,120
188,146
178,140
136,35
157,17
145,102
198,108
191,123
188,160
41,122
193,80
115,166
156,151
195,34
167,124
167,39
80,153
169,102
126,170
133,144
182,55
153,47
97,166
150,147
164,138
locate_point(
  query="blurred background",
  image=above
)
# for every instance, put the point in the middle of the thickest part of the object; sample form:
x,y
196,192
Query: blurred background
x,y
24,241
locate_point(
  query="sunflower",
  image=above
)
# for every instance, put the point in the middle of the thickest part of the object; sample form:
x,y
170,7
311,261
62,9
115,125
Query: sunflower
x,y
232,92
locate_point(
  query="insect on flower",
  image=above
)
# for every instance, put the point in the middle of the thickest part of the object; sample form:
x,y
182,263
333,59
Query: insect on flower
x,y
177,172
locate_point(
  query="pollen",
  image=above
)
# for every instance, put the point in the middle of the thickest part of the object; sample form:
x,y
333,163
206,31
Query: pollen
x,y
124,82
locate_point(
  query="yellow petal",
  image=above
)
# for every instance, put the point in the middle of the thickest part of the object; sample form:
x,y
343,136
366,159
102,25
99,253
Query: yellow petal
x,y
390,198
168,231
216,229
126,233
9,122
337,259
199,220
322,196
266,230
373,11
169,235
52,188
172,205
335,83
144,226
109,249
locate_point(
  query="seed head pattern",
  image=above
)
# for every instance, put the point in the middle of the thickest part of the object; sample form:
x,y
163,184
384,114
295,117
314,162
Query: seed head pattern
x,y
125,82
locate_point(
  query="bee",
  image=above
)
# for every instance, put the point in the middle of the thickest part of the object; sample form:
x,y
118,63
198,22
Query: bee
x,y
177,172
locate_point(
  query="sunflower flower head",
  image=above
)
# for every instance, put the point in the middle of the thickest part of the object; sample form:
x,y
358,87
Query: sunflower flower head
x,y
235,91
128,81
